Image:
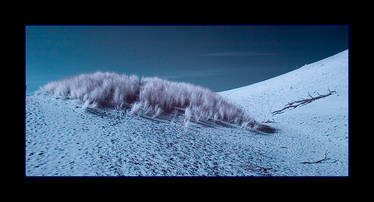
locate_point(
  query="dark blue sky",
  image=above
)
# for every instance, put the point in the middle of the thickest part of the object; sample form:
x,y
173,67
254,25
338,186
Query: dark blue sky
x,y
217,57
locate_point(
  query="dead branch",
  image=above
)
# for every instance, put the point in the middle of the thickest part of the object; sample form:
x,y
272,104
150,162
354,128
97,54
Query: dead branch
x,y
302,102
314,162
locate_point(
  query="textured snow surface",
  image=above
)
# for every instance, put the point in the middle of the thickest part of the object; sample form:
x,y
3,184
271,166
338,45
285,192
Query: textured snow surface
x,y
63,139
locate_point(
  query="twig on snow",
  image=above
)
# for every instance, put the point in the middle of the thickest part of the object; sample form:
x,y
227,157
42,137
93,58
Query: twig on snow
x,y
314,162
302,102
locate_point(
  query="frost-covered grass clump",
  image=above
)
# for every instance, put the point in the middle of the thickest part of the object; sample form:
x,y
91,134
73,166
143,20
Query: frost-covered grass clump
x,y
152,97
102,89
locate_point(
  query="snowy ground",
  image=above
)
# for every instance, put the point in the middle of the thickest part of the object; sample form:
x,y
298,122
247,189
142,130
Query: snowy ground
x,y
62,139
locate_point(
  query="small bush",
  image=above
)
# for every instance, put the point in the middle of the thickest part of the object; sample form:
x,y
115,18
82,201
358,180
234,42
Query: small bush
x,y
150,96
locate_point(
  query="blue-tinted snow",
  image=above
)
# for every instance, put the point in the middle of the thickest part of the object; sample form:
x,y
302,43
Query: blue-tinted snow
x,y
62,139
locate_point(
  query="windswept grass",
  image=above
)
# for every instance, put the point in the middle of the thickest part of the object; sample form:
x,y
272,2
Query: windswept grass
x,y
152,97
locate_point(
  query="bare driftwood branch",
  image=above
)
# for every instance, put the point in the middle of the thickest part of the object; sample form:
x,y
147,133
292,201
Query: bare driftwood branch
x,y
302,102
314,162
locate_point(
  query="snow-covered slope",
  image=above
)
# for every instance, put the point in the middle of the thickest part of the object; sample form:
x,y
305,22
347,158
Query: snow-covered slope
x,y
64,139
310,132
262,98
